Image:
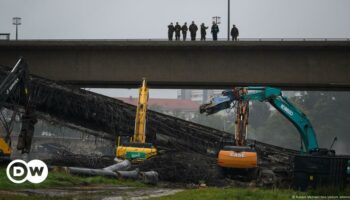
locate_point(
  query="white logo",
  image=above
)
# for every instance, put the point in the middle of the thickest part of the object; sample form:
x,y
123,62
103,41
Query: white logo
x,y
287,110
237,155
35,171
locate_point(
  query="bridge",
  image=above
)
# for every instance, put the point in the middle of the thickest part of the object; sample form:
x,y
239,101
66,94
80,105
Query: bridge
x,y
220,64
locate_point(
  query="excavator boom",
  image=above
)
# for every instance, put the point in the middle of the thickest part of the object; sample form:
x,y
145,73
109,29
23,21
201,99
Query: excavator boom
x,y
140,121
138,150
275,98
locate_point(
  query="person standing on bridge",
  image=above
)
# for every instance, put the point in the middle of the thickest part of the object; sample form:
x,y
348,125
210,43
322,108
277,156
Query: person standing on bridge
x,y
215,31
203,32
177,31
193,30
234,33
184,31
171,30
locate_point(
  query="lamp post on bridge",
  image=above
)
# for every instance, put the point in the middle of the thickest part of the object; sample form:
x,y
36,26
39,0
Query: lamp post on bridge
x,y
228,20
217,19
16,21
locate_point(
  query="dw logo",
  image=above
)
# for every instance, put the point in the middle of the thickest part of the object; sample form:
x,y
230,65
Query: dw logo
x,y
35,171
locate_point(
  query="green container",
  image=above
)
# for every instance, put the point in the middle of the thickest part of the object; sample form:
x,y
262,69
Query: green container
x,y
135,155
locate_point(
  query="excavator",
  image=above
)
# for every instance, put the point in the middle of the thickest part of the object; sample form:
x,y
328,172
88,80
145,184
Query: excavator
x,y
17,81
138,149
241,156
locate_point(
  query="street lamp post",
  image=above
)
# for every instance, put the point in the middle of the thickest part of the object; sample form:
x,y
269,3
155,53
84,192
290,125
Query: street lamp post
x,y
228,19
217,19
16,21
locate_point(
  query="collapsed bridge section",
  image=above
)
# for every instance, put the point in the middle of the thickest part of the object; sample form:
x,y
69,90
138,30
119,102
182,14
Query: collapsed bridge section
x,y
111,117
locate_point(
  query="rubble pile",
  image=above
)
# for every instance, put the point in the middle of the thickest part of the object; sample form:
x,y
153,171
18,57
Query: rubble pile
x,y
62,157
184,167
274,165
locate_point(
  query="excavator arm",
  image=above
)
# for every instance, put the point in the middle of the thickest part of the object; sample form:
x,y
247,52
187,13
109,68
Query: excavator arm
x,y
138,149
275,98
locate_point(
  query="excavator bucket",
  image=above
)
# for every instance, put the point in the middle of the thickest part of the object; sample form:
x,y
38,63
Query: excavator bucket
x,y
238,157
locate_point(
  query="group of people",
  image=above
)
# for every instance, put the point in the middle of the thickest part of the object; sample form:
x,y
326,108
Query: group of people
x,y
193,28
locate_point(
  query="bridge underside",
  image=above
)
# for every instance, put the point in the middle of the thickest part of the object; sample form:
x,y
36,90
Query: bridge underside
x,y
314,65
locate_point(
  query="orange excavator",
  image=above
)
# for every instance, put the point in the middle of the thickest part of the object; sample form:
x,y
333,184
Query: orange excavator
x,y
239,156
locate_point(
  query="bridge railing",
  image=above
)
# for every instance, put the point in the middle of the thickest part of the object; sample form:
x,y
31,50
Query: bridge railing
x,y
209,38
6,36
292,39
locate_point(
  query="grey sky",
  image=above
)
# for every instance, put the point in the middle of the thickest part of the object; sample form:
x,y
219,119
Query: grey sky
x,y
121,19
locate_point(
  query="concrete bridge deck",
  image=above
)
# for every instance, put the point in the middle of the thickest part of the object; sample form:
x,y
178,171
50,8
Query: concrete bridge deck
x,y
122,63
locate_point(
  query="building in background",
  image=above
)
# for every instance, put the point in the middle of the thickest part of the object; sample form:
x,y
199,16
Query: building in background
x,y
200,96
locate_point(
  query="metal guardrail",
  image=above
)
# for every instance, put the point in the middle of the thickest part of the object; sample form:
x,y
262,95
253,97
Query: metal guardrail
x,y
209,38
245,39
293,39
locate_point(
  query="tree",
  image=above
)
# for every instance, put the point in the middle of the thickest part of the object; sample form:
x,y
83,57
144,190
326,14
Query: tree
x,y
258,114
218,121
328,113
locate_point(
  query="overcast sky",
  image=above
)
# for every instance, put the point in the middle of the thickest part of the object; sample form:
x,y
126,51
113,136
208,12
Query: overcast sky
x,y
121,19
147,19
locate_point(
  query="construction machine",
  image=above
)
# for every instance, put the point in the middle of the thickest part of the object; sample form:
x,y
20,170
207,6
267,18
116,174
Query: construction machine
x,y
138,149
16,83
5,149
242,156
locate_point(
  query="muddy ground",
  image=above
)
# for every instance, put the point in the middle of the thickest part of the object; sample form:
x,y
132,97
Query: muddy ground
x,y
104,192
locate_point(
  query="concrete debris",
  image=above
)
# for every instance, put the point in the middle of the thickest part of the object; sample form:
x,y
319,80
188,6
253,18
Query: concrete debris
x,y
121,166
62,157
91,172
150,177
134,174
184,167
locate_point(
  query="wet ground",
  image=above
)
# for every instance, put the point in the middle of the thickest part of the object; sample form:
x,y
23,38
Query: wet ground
x,y
106,192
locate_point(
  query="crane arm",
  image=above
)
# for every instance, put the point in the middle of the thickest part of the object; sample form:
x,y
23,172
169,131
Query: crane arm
x,y
141,112
275,98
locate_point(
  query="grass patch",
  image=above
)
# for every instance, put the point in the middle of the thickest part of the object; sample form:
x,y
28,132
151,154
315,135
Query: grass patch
x,y
250,193
324,191
62,179
229,194
12,197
